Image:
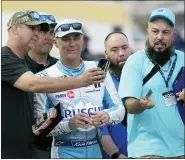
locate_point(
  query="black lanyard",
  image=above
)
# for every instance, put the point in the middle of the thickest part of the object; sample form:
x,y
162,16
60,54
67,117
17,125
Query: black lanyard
x,y
171,72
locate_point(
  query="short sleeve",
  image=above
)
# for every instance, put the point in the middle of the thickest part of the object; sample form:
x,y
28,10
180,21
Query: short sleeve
x,y
12,67
131,78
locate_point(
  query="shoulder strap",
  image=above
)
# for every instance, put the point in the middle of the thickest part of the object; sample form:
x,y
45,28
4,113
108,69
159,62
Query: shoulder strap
x,y
154,70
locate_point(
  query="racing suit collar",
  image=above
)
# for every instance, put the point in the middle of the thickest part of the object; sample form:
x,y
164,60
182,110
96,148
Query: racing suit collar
x,y
72,71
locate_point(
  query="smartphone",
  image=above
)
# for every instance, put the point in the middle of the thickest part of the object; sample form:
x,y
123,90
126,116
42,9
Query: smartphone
x,y
104,64
149,93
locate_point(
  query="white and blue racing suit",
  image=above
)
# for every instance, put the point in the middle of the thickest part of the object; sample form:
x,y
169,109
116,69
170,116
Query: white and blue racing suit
x,y
80,143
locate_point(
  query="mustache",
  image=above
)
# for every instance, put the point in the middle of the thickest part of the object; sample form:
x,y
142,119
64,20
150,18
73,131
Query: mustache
x,y
160,42
160,57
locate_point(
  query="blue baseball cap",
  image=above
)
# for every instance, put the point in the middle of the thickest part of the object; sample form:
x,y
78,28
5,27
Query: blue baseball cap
x,y
163,13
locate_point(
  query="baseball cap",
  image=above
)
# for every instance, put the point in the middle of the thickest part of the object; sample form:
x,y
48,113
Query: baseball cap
x,y
30,18
163,13
68,26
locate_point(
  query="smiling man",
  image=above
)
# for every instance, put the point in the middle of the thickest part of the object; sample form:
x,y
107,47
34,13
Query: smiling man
x,y
76,135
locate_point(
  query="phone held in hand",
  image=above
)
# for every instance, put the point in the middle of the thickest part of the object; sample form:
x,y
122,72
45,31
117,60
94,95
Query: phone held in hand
x,y
104,64
149,94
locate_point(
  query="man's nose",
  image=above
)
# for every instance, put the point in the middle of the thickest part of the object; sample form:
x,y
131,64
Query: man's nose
x,y
49,36
72,42
160,35
120,52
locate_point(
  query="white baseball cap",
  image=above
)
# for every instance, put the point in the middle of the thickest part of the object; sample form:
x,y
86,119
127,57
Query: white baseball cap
x,y
68,26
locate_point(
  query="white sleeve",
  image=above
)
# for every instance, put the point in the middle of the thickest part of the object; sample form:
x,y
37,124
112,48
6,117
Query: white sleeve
x,y
116,109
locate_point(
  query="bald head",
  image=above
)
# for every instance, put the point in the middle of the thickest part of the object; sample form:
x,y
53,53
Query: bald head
x,y
111,34
117,48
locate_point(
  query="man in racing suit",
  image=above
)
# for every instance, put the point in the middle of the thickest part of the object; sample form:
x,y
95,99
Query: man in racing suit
x,y
75,135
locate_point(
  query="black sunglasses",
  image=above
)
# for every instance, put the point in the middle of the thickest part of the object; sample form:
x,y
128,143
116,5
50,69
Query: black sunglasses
x,y
66,27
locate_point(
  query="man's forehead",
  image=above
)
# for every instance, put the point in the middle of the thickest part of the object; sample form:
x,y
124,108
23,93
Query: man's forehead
x,y
117,41
160,23
30,26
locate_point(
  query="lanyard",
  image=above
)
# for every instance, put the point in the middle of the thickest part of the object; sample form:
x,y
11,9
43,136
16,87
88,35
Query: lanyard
x,y
171,72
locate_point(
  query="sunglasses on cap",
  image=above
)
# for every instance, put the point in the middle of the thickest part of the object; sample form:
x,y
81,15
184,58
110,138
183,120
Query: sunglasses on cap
x,y
35,15
47,17
66,27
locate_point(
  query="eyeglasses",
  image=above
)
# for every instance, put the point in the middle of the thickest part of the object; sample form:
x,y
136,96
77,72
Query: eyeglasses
x,y
66,27
47,17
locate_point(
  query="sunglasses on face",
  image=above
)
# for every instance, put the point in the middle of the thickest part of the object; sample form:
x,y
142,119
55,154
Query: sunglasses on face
x,y
66,27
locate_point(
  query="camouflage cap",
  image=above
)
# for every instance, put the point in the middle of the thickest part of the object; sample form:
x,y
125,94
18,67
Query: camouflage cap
x,y
24,17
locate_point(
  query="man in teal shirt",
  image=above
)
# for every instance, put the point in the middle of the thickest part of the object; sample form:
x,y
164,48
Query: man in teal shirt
x,y
155,128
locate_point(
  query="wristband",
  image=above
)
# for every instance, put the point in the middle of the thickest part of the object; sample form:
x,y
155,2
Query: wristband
x,y
115,155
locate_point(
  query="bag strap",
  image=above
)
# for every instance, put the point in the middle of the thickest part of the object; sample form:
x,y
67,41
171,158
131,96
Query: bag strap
x,y
154,70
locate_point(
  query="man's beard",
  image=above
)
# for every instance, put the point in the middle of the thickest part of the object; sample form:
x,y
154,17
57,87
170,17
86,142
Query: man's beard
x,y
116,69
160,57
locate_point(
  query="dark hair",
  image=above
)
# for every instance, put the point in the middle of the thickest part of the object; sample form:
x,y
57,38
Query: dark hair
x,y
114,32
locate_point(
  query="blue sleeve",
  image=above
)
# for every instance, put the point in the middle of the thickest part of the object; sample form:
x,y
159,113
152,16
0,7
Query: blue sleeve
x,y
131,78
105,130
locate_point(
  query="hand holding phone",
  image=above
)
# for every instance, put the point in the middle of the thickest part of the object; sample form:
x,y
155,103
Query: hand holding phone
x,y
104,64
146,102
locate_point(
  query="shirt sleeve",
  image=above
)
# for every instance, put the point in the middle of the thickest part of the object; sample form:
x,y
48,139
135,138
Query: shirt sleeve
x,y
105,130
42,103
111,99
131,79
11,67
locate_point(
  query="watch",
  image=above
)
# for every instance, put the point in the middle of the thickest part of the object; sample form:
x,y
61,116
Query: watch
x,y
115,155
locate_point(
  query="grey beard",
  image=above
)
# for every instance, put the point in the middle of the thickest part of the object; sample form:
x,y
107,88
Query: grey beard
x,y
160,57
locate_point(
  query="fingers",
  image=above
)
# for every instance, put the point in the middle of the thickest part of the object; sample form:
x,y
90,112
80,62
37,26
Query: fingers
x,y
99,119
98,77
94,69
81,120
179,98
147,103
180,95
84,118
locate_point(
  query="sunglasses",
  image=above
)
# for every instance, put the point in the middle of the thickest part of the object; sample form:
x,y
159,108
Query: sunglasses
x,y
33,14
36,16
66,27
47,17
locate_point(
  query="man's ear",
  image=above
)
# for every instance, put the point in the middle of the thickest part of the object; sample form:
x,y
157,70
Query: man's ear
x,y
106,55
15,29
147,30
174,35
55,42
